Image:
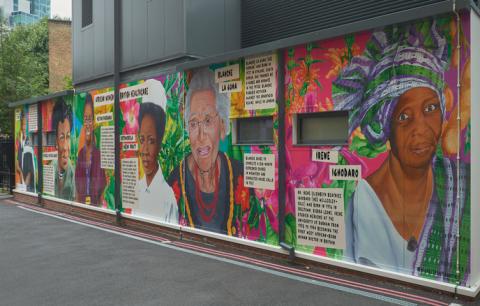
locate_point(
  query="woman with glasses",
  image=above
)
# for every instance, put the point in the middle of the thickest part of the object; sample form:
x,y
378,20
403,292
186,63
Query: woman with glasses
x,y
90,178
206,181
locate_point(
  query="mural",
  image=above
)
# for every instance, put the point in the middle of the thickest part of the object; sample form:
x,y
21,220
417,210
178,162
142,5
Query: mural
x,y
178,143
58,166
399,86
78,156
94,152
210,182
152,145
391,195
26,150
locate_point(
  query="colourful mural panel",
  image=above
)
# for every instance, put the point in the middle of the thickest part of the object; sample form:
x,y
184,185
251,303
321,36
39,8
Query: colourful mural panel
x,y
93,147
199,148
218,191
26,148
58,153
78,152
388,200
152,145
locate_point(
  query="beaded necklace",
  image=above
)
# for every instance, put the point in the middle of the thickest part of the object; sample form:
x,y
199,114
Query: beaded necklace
x,y
207,210
230,229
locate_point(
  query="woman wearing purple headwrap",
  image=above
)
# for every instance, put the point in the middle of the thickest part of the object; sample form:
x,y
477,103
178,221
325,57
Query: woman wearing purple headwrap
x,y
400,216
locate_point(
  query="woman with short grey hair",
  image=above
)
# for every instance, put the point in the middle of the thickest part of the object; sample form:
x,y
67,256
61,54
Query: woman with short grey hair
x,y
204,79
207,180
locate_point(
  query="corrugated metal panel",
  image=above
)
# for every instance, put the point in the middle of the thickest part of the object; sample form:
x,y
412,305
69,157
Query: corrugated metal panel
x,y
267,20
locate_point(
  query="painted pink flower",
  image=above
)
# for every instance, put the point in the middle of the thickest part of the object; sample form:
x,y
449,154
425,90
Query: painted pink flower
x,y
130,109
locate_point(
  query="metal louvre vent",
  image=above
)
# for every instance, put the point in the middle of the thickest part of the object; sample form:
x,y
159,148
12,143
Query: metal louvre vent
x,y
267,20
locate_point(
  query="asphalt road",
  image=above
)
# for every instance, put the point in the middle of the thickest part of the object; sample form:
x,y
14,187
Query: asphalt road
x,y
47,261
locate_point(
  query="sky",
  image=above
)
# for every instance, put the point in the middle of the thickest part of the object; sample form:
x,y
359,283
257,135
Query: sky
x,y
61,8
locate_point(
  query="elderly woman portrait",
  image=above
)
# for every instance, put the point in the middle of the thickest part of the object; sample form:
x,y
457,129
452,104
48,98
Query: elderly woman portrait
x,y
155,196
207,177
89,177
64,173
395,94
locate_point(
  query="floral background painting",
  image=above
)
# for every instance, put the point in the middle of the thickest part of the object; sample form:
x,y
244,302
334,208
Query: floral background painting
x,y
310,70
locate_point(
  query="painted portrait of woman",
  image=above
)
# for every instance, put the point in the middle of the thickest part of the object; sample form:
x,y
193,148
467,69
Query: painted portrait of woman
x,y
89,177
401,216
207,179
155,196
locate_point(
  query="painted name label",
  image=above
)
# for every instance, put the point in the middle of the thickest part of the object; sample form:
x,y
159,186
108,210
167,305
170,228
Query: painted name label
x,y
341,172
104,99
50,155
104,117
130,147
228,73
134,92
325,156
128,138
227,87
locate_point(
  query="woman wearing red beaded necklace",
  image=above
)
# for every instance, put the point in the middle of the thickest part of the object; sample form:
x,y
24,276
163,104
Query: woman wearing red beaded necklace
x,y
205,181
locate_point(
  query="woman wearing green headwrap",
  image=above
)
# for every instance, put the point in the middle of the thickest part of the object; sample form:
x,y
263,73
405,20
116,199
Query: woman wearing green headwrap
x,y
401,216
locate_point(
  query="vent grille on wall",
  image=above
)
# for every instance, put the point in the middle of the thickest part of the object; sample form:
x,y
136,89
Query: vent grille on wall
x,y
266,20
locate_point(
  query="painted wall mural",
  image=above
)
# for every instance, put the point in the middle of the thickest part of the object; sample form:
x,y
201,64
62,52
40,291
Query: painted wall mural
x,y
211,184
78,154
95,152
26,148
200,148
176,138
58,157
152,145
399,205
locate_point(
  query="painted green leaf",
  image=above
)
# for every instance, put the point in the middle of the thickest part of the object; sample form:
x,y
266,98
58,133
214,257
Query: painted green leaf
x,y
291,52
303,90
272,236
290,230
291,64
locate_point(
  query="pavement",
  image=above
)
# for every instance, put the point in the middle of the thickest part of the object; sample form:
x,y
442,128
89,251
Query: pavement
x,y
47,258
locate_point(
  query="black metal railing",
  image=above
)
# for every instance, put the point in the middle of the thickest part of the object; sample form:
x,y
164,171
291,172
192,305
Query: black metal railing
x,y
7,168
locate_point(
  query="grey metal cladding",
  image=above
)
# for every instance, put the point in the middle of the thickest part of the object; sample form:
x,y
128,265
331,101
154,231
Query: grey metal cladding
x,y
92,45
152,32
267,20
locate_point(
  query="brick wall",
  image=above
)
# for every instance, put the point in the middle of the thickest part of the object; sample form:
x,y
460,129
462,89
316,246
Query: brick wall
x,y
60,53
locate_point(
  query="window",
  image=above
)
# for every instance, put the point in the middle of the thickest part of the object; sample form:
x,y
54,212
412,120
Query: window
x,y
325,128
253,131
87,13
35,139
51,139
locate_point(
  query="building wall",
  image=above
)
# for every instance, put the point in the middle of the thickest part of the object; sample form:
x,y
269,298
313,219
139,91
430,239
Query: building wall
x,y
180,138
289,18
152,32
60,54
475,109
93,44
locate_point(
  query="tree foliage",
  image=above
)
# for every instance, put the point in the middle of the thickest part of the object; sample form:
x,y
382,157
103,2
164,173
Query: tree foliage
x,y
23,66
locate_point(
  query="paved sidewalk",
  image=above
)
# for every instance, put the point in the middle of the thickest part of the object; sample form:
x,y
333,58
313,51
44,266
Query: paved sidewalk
x,y
47,261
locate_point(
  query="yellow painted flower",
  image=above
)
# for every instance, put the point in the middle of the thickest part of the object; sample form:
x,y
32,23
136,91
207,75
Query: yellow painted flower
x,y
337,57
237,104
